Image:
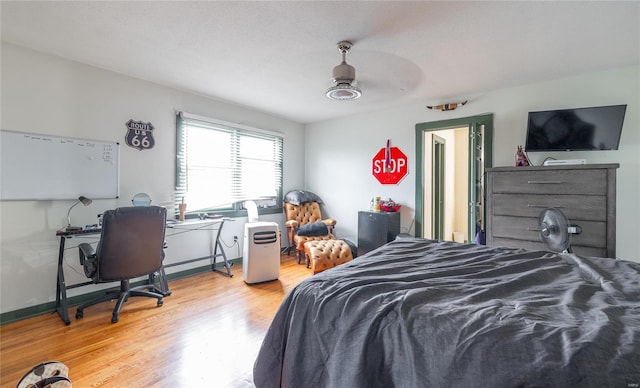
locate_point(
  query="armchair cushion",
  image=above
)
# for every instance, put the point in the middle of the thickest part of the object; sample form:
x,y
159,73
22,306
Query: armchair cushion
x,y
300,240
326,254
313,229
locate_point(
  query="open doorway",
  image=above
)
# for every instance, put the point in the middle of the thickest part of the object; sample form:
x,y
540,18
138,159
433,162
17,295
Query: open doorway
x,y
446,184
451,156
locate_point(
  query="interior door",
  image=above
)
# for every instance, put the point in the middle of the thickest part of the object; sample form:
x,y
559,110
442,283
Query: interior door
x,y
478,161
438,198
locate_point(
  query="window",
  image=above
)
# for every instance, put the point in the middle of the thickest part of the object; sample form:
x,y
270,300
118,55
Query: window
x,y
220,165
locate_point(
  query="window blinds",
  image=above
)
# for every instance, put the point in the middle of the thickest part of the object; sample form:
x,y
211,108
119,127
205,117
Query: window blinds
x,y
219,165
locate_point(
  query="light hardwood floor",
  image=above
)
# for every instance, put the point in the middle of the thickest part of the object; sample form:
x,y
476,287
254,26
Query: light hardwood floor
x,y
207,334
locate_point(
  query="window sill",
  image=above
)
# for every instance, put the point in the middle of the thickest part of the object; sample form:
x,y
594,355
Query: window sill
x,y
236,213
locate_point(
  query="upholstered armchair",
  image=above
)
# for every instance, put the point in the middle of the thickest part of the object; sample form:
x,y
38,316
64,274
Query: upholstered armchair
x,y
302,208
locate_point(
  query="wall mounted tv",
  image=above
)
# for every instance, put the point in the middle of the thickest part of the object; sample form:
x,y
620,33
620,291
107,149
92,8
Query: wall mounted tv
x,y
579,129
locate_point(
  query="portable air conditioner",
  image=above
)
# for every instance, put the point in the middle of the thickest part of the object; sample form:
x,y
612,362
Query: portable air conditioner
x,y
261,253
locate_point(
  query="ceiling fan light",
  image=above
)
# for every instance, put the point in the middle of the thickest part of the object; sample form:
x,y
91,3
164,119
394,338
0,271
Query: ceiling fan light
x,y
344,73
343,92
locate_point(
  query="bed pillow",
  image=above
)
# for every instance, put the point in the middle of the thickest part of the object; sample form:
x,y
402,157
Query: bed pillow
x,y
298,197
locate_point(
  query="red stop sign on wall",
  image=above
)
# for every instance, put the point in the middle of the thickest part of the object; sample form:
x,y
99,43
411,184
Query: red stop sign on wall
x,y
395,171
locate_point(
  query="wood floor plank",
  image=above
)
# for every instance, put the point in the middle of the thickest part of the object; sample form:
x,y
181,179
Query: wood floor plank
x,y
207,333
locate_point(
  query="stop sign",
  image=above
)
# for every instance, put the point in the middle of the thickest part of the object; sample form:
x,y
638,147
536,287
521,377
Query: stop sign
x,y
393,172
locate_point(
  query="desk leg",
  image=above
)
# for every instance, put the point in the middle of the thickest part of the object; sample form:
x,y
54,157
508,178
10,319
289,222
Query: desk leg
x,y
217,245
61,288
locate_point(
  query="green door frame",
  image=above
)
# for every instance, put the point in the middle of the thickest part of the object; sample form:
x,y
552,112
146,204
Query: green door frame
x,y
438,197
480,158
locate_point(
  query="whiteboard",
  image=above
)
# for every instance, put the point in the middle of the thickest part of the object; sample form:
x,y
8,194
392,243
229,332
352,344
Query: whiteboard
x,y
45,167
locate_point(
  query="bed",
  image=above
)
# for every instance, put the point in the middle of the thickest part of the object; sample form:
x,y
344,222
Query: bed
x,y
425,313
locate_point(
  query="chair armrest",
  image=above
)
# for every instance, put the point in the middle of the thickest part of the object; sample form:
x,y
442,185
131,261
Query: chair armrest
x,y
85,251
329,222
292,224
88,260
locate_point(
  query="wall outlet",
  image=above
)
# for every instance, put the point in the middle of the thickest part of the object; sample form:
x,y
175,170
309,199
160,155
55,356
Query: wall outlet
x,y
235,238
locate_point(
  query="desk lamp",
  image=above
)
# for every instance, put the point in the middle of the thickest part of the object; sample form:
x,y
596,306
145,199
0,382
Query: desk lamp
x,y
86,202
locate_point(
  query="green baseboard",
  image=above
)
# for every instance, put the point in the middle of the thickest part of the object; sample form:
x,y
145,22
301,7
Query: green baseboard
x,y
50,307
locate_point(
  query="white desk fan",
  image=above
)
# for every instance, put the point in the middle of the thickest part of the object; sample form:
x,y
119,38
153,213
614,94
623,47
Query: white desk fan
x,y
556,231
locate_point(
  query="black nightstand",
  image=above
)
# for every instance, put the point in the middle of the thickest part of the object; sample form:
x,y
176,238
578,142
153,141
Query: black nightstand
x,y
376,229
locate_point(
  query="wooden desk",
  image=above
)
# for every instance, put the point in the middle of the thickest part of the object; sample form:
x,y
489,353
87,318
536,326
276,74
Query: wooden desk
x,y
215,224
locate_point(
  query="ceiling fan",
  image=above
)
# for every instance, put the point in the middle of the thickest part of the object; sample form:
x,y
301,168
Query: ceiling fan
x,y
344,77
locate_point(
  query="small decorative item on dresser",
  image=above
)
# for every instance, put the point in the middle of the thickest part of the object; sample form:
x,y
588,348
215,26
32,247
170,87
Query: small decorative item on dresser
x,y
375,204
389,206
521,158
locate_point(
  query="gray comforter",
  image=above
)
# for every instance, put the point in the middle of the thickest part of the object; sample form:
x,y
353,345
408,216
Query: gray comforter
x,y
421,313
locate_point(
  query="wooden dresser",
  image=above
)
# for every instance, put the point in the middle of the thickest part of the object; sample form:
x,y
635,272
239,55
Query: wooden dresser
x,y
586,194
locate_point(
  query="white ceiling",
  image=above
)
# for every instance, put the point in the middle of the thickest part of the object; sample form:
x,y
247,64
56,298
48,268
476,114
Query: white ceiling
x,y
278,56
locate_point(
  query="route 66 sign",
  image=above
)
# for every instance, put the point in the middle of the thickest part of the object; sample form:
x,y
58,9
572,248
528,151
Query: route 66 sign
x,y
140,135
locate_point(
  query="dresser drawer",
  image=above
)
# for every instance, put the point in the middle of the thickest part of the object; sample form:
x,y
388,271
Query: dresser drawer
x,y
526,228
540,246
585,182
574,207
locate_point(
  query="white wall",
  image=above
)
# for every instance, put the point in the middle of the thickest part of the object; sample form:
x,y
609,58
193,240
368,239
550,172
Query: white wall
x,y
338,152
49,95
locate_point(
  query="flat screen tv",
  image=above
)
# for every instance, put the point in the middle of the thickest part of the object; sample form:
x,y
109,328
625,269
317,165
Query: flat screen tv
x,y
579,129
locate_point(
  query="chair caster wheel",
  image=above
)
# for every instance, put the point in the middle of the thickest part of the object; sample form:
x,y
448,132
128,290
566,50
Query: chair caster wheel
x,y
79,314
160,303
114,319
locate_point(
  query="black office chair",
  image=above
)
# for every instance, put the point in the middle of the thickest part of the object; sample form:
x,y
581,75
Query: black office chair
x,y
131,245
160,277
